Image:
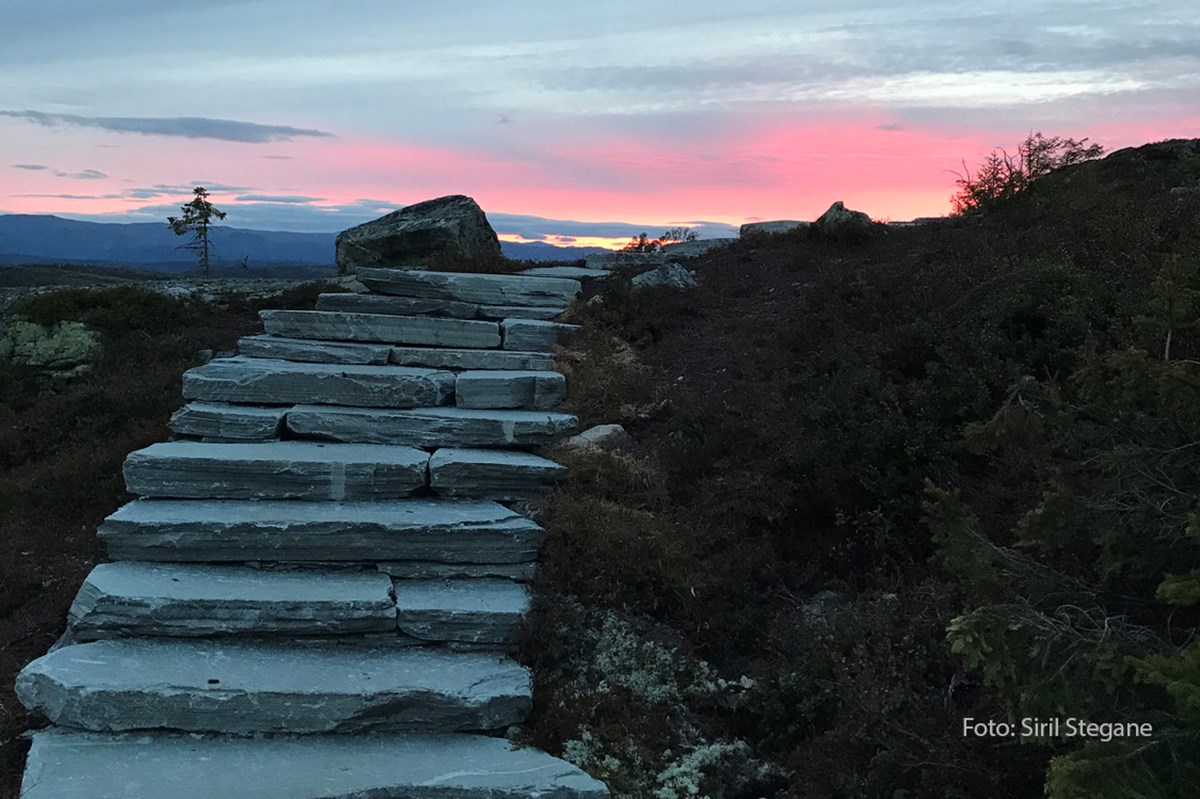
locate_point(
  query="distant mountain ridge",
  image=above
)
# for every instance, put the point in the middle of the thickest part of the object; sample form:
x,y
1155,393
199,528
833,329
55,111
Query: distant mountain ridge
x,y
42,238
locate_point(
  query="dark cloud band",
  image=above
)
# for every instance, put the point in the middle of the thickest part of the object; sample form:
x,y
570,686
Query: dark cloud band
x,y
185,127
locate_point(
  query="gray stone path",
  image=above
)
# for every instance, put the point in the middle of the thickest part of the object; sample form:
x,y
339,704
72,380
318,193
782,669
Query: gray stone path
x,y
321,559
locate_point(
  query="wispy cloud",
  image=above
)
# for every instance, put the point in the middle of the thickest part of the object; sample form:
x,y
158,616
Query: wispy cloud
x,y
87,174
30,167
277,198
186,127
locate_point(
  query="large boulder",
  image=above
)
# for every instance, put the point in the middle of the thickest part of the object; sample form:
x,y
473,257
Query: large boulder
x,y
405,237
842,224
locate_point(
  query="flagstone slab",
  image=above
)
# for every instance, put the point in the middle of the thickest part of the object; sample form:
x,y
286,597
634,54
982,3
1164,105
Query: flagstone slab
x,y
228,422
422,330
482,611
473,288
154,599
431,427
428,570
414,306
510,389
472,359
417,530
534,335
273,382
573,272
314,351
239,688
64,764
491,474
275,470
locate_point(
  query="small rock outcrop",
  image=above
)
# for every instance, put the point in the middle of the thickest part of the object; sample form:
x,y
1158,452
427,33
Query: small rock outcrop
x,y
774,226
604,436
842,224
672,275
404,237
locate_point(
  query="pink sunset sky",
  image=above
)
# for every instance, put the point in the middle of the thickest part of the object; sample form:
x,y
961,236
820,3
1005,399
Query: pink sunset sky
x,y
568,125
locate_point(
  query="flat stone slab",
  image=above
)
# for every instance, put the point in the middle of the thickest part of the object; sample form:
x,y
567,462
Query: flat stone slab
x,y
474,288
414,306
471,359
468,611
618,259
573,272
245,688
427,570
510,389
419,530
491,474
131,599
155,765
271,382
313,351
534,335
422,330
275,470
225,421
431,427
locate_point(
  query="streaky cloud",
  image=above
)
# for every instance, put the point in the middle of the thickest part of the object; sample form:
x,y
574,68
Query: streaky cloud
x,y
30,167
277,198
185,127
87,174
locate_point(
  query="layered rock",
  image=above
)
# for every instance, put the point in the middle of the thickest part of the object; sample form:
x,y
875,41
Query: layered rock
x,y
270,382
480,611
308,350
431,427
472,359
420,330
534,336
416,232
473,288
222,421
510,389
275,470
491,474
414,306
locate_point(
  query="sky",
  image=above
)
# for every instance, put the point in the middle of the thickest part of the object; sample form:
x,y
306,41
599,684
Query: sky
x,y
568,123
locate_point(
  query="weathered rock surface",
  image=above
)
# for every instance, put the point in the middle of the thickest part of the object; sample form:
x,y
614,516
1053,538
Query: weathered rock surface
x,y
491,474
422,570
415,232
413,306
472,359
468,611
423,531
617,260
156,765
244,688
474,288
510,389
694,249
672,275
269,382
431,427
534,336
604,436
841,223
307,350
132,599
573,272
421,330
774,226
229,422
275,470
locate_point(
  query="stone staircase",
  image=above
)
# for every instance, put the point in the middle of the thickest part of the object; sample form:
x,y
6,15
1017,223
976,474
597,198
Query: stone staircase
x,y
319,590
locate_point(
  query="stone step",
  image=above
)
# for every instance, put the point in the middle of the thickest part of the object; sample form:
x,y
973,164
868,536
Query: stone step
x,y
275,470
244,688
573,272
419,531
533,335
271,382
510,389
482,611
431,427
65,764
428,331
428,570
413,306
491,474
314,351
129,598
473,288
220,420
472,359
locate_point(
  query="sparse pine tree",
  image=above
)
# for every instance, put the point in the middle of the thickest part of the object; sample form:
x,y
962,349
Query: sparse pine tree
x,y
197,219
